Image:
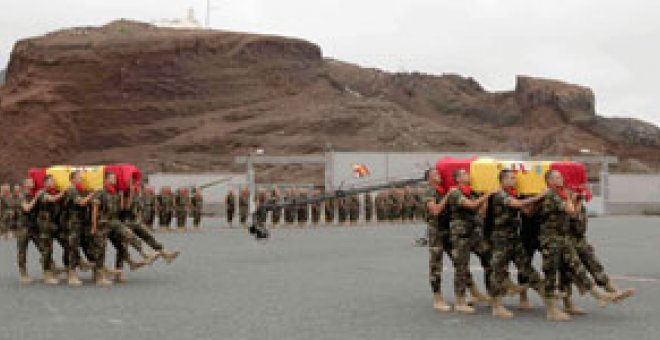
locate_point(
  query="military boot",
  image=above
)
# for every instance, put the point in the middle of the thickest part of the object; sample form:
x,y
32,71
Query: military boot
x,y
149,257
571,309
461,306
100,278
50,278
73,280
134,265
620,294
439,303
603,298
24,277
499,311
513,289
553,313
169,256
121,277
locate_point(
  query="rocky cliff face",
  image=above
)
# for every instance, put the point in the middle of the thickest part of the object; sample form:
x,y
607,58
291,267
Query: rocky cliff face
x,y
178,100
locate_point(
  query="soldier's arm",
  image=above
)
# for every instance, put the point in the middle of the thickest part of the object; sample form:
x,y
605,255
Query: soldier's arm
x,y
95,213
83,201
437,208
54,198
473,204
520,203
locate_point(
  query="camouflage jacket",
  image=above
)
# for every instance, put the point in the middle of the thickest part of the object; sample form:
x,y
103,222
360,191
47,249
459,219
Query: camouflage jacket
x,y
555,220
506,219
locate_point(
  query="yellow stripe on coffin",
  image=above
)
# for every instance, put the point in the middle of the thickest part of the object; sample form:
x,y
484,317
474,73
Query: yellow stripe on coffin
x,y
530,175
92,176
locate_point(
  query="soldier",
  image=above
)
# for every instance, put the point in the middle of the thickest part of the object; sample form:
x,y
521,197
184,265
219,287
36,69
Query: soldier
x,y
136,224
420,208
47,200
243,206
354,208
197,204
75,203
506,243
262,214
26,229
380,203
149,206
106,225
316,209
290,210
7,212
303,212
394,205
165,206
408,205
277,212
368,207
181,207
230,206
329,210
585,251
342,210
463,204
436,201
558,252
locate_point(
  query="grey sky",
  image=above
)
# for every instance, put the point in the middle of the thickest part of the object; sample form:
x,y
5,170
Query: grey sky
x,y
611,46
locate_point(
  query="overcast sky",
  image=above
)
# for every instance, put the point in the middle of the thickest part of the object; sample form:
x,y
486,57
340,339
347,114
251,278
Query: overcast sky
x,y
611,46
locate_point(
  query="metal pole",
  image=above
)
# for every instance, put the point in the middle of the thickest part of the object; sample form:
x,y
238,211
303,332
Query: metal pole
x,y
604,178
250,179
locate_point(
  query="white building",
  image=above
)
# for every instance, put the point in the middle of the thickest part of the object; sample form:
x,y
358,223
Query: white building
x,y
189,22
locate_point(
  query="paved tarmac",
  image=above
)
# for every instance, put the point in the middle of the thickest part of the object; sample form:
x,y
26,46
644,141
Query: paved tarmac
x,y
364,282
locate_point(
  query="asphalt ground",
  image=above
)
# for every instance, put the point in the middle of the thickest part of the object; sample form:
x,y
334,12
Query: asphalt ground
x,y
362,282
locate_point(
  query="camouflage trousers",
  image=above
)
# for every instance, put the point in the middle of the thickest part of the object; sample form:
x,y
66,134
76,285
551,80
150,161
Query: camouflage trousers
x,y
464,241
142,231
230,215
149,215
120,236
47,232
395,214
560,256
6,222
342,215
73,233
181,217
243,215
354,214
276,216
329,215
591,262
505,250
165,218
439,244
197,217
24,235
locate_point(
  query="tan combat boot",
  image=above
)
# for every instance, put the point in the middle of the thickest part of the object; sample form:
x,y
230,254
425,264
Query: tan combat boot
x,y
571,309
461,306
100,278
499,311
477,296
620,294
50,278
73,280
150,257
553,313
603,298
439,303
121,277
524,301
169,256
134,265
25,279
85,266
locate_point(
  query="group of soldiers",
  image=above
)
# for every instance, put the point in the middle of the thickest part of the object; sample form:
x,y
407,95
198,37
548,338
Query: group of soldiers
x,y
501,227
81,221
168,206
393,205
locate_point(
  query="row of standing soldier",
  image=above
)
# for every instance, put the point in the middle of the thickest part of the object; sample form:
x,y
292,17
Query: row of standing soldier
x,y
392,205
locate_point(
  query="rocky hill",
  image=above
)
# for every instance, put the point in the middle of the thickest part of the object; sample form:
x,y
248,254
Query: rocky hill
x,y
179,100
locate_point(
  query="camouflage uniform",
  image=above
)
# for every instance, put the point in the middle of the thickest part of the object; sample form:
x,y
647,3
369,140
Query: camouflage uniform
x,y
196,205
230,206
303,211
243,199
342,209
262,214
394,206
379,202
8,212
408,206
135,223
464,230
110,227
507,246
165,202
329,208
149,209
73,228
578,238
556,247
354,208
181,203
439,244
276,215
316,212
368,207
47,228
290,211
26,231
